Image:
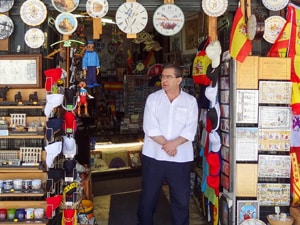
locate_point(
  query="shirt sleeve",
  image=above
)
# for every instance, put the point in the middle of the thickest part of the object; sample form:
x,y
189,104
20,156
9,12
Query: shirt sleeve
x,y
150,123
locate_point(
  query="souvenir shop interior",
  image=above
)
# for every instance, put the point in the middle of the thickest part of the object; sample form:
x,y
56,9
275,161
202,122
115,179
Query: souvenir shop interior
x,y
74,78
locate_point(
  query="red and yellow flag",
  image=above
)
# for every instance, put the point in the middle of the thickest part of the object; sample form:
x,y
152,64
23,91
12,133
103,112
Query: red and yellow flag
x,y
240,46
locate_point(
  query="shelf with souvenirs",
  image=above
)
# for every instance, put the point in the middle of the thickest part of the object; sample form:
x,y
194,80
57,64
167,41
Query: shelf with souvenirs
x,y
22,168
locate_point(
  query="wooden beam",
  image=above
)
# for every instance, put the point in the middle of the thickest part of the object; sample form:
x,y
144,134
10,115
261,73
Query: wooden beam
x,y
97,28
212,28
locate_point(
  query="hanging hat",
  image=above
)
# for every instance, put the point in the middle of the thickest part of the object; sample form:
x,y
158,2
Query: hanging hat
x,y
53,100
213,74
52,151
69,166
52,76
70,124
213,51
69,146
211,94
215,141
213,160
52,204
53,126
213,115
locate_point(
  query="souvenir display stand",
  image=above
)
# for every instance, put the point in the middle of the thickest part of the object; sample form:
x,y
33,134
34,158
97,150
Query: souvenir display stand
x,y
255,133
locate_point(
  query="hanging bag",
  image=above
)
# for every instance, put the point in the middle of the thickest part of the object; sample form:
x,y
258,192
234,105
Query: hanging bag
x,y
200,64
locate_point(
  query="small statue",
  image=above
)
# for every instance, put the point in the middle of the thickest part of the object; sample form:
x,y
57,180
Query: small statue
x,y
91,65
82,98
33,98
3,92
18,97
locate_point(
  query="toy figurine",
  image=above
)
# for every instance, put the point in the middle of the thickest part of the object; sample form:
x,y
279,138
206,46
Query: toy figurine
x,y
91,65
3,92
82,98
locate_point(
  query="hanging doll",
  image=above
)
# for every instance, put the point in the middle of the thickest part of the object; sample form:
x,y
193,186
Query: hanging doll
x,y
91,65
82,98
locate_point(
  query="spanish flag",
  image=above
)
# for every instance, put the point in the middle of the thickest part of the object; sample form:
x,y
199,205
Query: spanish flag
x,y
240,46
282,43
129,61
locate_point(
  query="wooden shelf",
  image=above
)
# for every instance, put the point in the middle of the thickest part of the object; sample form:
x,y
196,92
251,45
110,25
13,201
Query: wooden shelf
x,y
23,137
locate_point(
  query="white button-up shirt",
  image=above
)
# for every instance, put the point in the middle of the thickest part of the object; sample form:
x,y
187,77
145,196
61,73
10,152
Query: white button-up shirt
x,y
171,120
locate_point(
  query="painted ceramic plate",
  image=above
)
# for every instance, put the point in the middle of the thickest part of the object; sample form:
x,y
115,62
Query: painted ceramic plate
x,y
34,38
7,26
6,5
97,8
275,5
66,23
33,12
65,5
214,8
273,26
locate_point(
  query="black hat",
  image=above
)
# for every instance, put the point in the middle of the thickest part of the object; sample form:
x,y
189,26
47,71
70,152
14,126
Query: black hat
x,y
213,74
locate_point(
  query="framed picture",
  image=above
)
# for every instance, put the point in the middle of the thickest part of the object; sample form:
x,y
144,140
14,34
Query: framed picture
x,y
225,211
274,117
23,71
247,210
134,158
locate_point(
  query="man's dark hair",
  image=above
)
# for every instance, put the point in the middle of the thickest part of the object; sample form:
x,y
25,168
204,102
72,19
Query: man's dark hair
x,y
177,70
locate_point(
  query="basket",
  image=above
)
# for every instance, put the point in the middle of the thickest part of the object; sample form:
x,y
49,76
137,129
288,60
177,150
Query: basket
x,y
30,155
273,220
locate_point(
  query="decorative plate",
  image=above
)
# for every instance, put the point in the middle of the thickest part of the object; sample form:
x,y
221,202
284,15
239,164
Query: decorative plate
x,y
214,8
65,5
34,38
66,23
275,5
33,12
97,8
6,5
273,26
7,26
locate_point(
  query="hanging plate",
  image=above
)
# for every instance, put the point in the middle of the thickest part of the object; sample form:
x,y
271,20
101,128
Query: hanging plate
x,y
34,38
6,5
33,12
273,26
97,8
66,23
7,26
214,8
275,5
65,5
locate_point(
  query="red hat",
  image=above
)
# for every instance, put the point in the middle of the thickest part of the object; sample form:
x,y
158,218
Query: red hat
x,y
214,182
52,204
70,125
213,160
52,75
69,217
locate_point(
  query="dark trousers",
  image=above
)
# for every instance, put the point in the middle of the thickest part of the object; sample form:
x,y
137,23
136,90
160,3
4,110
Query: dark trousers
x,y
154,174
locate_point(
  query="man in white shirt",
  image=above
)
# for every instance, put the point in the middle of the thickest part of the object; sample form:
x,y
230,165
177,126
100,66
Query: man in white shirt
x,y
170,124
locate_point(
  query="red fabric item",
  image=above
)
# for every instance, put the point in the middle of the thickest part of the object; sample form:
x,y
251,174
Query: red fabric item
x,y
240,46
52,76
214,183
69,217
69,125
52,204
213,160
